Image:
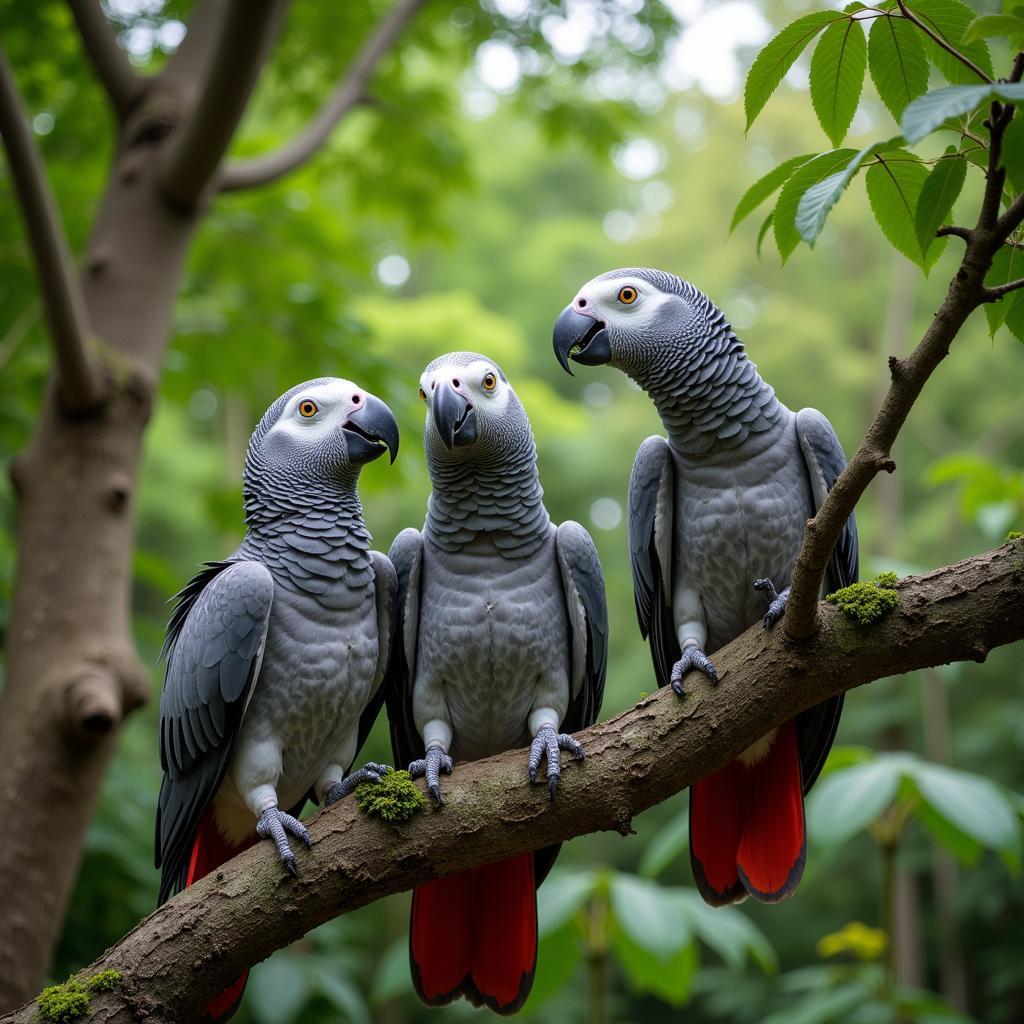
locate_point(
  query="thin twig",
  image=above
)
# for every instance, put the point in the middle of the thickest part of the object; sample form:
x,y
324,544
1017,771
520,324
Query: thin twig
x,y
347,94
78,373
238,52
999,290
123,85
955,231
939,41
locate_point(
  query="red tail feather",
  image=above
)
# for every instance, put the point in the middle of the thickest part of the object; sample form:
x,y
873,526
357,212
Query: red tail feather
x,y
209,850
747,826
475,934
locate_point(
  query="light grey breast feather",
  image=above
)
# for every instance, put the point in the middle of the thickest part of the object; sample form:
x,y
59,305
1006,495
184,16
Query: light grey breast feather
x,y
587,613
406,555
215,646
650,523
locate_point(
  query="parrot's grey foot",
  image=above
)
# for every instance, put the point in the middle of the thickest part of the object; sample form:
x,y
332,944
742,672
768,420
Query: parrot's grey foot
x,y
276,824
776,601
693,657
370,772
547,743
430,768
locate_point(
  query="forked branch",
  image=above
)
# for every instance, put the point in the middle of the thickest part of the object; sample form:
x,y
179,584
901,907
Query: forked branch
x,y
123,85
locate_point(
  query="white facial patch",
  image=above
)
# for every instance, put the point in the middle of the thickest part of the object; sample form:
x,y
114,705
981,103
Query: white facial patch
x,y
470,378
601,298
334,402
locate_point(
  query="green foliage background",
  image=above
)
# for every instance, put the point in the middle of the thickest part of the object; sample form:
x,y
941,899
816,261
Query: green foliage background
x,y
501,218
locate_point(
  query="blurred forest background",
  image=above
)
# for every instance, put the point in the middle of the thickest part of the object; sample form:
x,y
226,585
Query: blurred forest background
x,y
527,155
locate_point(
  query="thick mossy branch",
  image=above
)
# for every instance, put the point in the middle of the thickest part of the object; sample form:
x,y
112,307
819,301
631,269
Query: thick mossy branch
x,y
105,981
866,603
1015,535
396,798
182,955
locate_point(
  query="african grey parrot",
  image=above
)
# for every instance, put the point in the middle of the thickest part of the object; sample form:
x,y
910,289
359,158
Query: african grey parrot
x,y
716,515
503,641
276,655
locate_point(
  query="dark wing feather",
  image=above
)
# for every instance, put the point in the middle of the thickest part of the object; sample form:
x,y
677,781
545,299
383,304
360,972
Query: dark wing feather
x,y
824,458
214,648
386,589
406,556
650,524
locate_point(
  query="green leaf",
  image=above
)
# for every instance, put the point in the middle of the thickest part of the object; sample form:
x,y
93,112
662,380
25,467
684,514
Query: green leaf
x,y
816,202
642,912
278,988
764,187
668,977
951,19
821,167
558,956
777,57
971,803
1012,91
667,845
1015,316
1008,26
894,186
1013,152
565,892
938,194
763,230
928,112
897,61
837,76
729,932
1007,265
846,801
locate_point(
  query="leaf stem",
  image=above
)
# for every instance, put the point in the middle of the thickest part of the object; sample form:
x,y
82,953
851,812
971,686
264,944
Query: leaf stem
x,y
940,42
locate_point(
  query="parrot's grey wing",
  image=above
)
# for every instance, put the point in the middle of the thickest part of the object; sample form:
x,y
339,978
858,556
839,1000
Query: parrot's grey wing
x,y
215,645
587,608
406,556
650,515
824,458
386,591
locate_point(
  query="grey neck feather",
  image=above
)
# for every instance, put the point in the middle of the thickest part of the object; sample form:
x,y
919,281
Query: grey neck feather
x,y
489,497
708,393
310,533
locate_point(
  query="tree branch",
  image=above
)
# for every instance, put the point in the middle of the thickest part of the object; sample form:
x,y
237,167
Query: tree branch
x,y
999,290
246,29
80,381
965,294
123,85
939,41
349,92
175,960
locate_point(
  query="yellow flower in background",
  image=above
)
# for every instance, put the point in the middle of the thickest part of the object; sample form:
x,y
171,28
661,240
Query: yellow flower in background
x,y
856,939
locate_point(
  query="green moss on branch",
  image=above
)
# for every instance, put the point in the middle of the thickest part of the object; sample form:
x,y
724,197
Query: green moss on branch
x,y
866,603
396,798
65,1003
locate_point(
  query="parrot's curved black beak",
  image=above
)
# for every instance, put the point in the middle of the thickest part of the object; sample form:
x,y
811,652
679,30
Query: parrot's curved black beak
x,y
581,339
370,428
454,416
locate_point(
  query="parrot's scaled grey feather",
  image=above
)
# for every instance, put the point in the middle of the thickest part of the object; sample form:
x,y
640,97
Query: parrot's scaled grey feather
x,y
650,524
406,556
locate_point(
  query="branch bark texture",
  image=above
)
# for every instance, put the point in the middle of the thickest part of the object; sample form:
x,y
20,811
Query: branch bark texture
x,y
348,93
184,953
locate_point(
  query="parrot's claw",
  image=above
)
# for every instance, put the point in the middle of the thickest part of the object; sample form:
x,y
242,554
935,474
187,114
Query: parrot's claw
x,y
430,768
370,772
693,657
776,601
275,824
547,744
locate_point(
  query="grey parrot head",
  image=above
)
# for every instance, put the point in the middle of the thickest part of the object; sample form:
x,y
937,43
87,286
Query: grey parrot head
x,y
472,410
322,431
638,320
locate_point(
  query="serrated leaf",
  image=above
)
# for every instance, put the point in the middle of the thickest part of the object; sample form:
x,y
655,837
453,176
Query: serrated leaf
x,y
928,112
764,187
837,77
1013,152
1007,265
1006,26
894,187
784,220
1015,315
938,194
778,56
897,62
846,801
816,202
762,231
951,19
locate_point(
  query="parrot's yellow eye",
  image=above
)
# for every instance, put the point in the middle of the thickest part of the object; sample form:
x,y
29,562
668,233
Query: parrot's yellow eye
x,y
423,395
490,382
308,408
627,295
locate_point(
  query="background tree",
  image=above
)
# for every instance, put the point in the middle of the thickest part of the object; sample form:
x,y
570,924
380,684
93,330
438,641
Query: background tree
x,y
489,268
